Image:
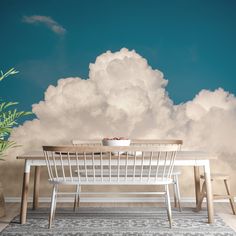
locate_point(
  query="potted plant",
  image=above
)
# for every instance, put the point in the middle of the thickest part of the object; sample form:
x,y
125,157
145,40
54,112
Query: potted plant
x,y
8,119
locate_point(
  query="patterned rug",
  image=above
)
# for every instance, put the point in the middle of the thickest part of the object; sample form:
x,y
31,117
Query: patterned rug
x,y
122,221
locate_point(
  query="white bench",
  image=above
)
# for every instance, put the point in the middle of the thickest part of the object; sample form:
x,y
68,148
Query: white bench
x,y
96,165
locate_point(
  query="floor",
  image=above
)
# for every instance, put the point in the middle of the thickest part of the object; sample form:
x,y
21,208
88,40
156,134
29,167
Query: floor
x,y
222,209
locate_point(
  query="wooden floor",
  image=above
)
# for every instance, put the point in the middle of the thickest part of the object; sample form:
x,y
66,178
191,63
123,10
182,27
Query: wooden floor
x,y
222,209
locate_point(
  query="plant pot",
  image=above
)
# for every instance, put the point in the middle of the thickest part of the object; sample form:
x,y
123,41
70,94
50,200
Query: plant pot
x,y
2,202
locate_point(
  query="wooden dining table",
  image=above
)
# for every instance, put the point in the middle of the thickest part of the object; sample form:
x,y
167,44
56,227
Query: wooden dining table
x,y
195,159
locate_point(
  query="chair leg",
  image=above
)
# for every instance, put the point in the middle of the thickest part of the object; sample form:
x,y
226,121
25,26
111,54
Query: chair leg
x,y
77,197
202,195
168,205
177,192
53,205
231,198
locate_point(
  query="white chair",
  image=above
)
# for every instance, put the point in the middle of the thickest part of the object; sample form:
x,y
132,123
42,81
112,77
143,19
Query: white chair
x,y
137,142
96,165
175,173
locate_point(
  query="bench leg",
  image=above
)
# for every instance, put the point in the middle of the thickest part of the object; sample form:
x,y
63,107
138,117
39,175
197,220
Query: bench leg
x,y
175,198
169,214
77,197
53,205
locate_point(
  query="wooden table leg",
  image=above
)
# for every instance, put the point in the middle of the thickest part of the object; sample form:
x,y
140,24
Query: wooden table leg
x,y
36,187
24,197
197,183
209,196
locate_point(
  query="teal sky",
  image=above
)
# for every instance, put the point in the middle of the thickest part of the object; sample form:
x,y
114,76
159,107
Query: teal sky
x,y
192,42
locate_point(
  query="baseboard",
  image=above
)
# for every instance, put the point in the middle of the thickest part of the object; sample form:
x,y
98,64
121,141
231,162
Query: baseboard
x,y
109,200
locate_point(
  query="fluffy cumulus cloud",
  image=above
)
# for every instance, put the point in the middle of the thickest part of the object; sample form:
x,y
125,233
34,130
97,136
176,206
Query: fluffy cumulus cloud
x,y
45,20
124,96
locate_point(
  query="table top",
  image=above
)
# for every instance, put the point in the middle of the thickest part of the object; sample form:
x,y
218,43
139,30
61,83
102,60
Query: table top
x,y
181,155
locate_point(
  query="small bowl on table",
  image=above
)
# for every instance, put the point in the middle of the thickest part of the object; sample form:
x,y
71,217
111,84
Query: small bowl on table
x,y
116,142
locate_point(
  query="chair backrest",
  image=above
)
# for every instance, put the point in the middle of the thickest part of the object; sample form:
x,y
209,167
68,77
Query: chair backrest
x,y
97,164
135,142
88,142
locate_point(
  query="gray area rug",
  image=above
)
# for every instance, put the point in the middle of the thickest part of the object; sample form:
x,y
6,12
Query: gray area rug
x,y
122,221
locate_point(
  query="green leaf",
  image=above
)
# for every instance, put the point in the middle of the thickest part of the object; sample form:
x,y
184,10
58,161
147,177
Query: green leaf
x,y
5,105
12,71
4,145
8,118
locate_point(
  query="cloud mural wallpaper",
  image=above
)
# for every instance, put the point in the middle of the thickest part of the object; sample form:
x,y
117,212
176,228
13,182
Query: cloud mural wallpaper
x,y
139,69
124,96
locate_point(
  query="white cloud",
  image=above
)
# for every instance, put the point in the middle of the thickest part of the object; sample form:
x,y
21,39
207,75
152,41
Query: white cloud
x,y
124,96
46,20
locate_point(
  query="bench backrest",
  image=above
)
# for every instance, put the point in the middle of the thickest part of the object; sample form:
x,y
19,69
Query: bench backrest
x,y
99,164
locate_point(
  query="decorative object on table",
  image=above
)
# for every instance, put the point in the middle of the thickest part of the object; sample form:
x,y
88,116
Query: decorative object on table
x,y
228,195
8,120
116,141
118,221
